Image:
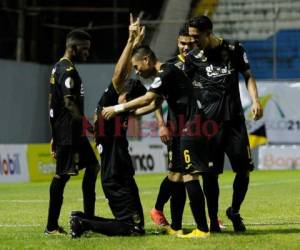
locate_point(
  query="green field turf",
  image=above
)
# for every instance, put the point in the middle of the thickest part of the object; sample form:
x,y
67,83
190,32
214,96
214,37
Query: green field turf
x,y
271,213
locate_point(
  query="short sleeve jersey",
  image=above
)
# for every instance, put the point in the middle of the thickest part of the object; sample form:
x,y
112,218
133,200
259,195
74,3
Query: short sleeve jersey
x,y
177,89
65,82
215,77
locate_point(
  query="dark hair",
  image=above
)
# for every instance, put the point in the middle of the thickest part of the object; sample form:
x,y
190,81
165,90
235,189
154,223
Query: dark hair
x,y
143,50
184,30
134,89
202,23
75,36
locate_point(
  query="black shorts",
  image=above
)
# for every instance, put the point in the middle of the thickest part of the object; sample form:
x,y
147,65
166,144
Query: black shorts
x,y
232,139
71,158
174,155
195,154
124,200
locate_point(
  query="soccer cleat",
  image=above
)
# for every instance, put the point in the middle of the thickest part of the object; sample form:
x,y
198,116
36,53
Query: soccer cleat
x,y
236,219
170,231
76,227
57,232
215,227
196,233
78,214
137,231
158,217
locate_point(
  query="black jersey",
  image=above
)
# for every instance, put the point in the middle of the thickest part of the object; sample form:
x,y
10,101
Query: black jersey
x,y
178,61
215,76
116,127
110,136
177,89
65,81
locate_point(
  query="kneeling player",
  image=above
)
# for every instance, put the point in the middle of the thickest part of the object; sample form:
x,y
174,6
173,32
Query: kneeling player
x,y
117,170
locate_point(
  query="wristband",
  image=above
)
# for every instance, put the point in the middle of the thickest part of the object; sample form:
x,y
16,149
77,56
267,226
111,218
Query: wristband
x,y
119,108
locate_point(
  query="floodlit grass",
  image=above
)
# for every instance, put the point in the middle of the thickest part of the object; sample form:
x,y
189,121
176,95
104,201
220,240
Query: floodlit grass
x,y
271,213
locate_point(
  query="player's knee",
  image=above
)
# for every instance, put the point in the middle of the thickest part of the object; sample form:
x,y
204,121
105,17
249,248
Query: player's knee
x,y
175,177
190,177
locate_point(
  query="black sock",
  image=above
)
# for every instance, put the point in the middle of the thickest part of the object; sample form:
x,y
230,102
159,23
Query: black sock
x,y
164,194
88,190
240,187
177,204
211,190
197,203
55,202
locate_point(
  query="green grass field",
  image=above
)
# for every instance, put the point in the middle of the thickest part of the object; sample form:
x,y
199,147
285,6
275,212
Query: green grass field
x,y
271,213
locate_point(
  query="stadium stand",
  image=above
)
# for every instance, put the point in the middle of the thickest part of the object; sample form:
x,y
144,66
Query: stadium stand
x,y
269,30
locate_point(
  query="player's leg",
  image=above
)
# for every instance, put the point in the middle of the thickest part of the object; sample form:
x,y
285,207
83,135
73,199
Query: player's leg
x,y
110,227
239,154
168,184
211,190
177,202
55,203
197,204
66,165
90,162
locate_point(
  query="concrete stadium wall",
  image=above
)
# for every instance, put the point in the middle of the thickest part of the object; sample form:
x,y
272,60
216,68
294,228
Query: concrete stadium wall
x,y
24,97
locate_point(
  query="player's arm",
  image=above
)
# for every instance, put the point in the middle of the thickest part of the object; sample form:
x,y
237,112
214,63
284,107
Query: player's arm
x,y
123,66
257,110
145,100
164,132
154,105
243,67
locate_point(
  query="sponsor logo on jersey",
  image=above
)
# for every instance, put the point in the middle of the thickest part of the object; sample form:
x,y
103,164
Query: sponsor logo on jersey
x,y
213,71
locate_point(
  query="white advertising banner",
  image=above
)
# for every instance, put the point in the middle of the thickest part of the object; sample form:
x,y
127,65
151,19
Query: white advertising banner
x,y
279,157
281,102
13,163
148,155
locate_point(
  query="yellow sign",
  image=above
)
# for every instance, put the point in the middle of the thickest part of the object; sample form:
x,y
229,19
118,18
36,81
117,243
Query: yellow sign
x,y
41,164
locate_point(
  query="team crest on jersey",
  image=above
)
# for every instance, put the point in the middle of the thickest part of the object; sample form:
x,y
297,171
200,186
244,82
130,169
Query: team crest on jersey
x,y
69,82
201,56
156,83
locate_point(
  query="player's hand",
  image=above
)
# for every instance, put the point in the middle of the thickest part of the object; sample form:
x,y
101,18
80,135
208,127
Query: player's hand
x,y
52,149
140,36
108,112
134,28
257,110
164,134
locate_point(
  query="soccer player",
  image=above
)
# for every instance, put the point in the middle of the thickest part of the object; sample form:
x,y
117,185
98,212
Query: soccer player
x,y
214,68
210,181
172,84
117,170
172,185
70,147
